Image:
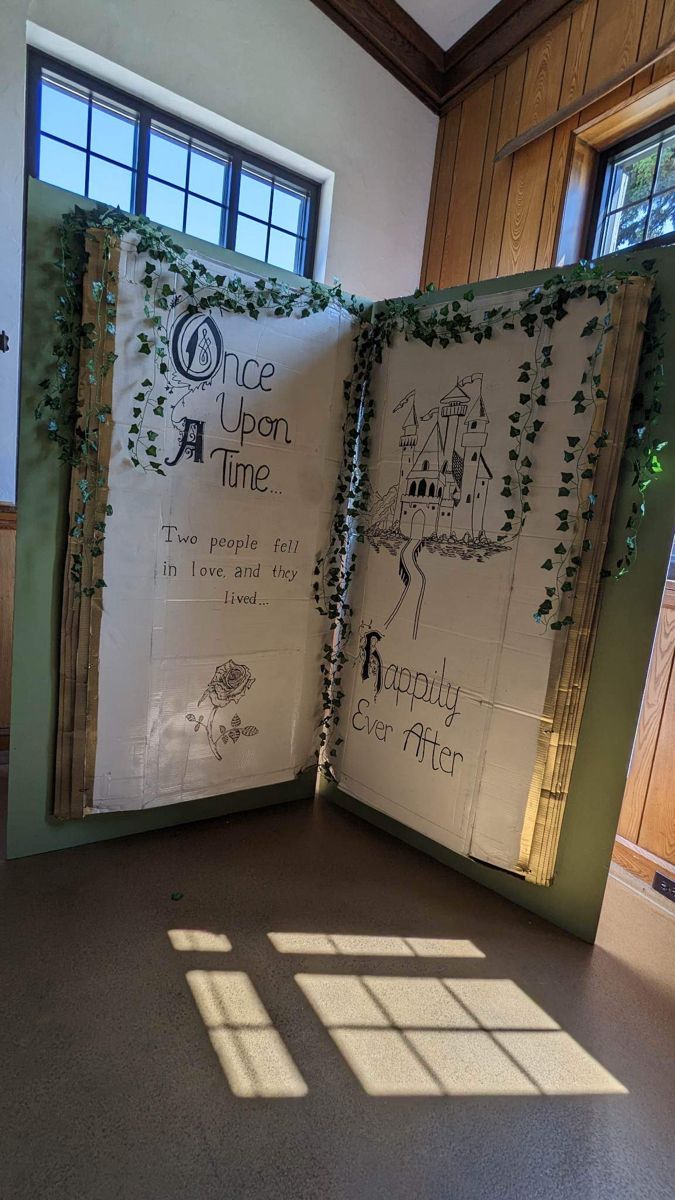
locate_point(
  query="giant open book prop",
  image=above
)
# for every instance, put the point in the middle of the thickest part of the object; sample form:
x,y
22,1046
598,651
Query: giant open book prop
x,y
197,670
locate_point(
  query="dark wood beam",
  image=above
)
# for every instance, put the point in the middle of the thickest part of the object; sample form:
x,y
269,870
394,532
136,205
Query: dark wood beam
x,y
437,76
589,97
398,43
500,35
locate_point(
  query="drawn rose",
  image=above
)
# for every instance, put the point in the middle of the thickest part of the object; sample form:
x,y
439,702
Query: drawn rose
x,y
230,682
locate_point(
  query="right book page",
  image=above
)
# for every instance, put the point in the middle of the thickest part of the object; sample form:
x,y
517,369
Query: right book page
x,y
493,470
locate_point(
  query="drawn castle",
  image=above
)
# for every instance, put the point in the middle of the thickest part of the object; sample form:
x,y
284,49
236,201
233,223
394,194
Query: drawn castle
x,y
443,485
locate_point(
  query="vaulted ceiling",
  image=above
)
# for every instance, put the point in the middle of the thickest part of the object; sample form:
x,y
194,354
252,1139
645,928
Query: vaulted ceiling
x,y
446,21
438,47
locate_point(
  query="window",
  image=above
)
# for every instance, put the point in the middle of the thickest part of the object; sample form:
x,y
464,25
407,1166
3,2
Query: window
x,y
636,199
92,139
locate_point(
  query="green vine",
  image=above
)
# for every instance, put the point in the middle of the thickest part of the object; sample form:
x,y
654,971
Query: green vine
x,y
454,322
73,413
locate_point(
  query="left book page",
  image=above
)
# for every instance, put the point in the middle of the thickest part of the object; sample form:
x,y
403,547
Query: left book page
x,y
208,643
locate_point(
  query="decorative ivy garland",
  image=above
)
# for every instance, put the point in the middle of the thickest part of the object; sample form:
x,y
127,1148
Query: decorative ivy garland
x,y
537,313
74,426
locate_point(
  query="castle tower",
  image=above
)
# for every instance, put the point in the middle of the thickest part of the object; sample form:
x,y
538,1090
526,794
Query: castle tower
x,y
408,444
470,514
452,406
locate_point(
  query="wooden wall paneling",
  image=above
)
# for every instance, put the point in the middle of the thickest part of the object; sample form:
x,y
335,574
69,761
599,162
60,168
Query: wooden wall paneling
x,y
554,194
525,206
649,724
486,180
501,172
652,104
618,27
657,827
433,192
529,173
582,24
529,208
384,29
657,833
440,204
543,77
582,27
666,65
469,166
615,41
649,40
640,862
506,31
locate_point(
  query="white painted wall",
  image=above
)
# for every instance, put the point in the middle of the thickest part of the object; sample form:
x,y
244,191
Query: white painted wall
x,y
276,67
12,92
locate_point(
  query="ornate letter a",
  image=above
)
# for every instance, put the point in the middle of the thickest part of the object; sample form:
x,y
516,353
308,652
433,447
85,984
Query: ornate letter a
x,y
191,442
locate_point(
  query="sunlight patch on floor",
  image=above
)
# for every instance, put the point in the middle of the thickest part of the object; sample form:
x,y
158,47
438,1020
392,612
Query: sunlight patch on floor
x,y
250,1050
199,939
434,1037
361,944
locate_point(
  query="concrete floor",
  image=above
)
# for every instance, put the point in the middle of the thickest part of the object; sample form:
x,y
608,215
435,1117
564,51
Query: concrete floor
x,y
116,1081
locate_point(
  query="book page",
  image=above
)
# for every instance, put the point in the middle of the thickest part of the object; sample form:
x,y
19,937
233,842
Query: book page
x,y
209,639
450,688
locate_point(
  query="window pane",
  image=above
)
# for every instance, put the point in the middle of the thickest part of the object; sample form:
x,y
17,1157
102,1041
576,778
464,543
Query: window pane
x,y
207,175
666,176
62,165
110,183
282,250
165,204
625,228
662,216
254,196
203,219
113,135
633,177
251,238
64,114
287,210
168,158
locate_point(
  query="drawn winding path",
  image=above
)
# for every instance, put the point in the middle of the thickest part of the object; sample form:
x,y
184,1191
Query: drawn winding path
x,y
414,583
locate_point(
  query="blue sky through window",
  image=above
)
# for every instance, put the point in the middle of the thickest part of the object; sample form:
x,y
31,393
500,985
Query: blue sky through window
x,y
91,143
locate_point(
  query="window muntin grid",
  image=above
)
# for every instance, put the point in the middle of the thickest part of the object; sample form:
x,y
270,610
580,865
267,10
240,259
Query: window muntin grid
x,y
637,202
109,147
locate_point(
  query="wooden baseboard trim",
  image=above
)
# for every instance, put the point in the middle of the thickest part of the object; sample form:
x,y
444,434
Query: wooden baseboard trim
x,y
640,862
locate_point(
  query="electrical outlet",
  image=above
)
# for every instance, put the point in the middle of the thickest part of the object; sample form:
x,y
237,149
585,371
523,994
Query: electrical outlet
x,y
664,886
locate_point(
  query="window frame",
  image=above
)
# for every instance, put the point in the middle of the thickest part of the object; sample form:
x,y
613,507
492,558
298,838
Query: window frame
x,y
603,179
239,157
